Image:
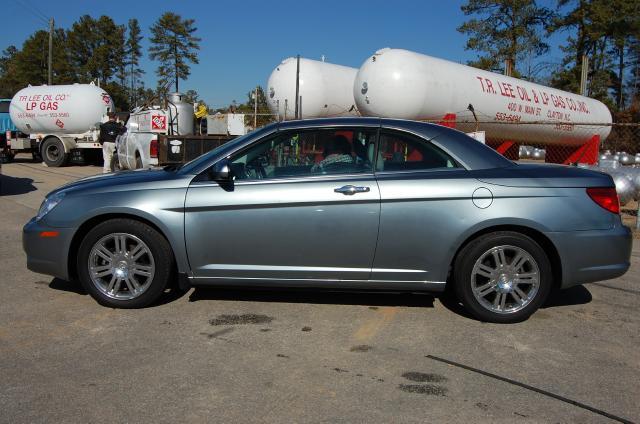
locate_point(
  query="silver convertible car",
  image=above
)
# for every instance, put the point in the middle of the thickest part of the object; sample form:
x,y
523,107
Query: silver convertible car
x,y
353,203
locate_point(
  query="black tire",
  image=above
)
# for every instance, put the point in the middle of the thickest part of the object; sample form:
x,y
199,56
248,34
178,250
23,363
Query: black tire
x,y
115,163
138,162
6,157
472,252
159,249
53,154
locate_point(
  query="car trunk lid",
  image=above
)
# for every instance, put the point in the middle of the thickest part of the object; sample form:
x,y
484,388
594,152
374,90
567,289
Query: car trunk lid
x,y
544,175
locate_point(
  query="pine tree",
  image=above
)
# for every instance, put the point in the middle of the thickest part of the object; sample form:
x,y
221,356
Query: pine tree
x,y
174,46
96,48
505,29
121,71
603,31
19,68
134,53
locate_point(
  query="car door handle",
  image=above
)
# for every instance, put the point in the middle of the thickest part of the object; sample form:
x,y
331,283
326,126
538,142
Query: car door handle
x,y
349,190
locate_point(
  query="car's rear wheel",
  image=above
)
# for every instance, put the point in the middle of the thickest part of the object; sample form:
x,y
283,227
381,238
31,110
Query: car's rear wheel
x,y
502,277
123,263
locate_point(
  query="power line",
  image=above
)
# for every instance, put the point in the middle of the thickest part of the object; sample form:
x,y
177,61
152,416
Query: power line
x,y
34,11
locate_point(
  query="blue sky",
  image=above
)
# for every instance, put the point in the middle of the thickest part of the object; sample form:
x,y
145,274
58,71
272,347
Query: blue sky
x,y
243,41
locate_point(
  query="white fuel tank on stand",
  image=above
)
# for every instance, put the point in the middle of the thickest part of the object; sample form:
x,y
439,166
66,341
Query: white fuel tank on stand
x,y
398,83
324,89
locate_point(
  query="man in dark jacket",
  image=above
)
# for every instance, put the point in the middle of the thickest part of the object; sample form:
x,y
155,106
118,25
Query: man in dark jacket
x,y
109,131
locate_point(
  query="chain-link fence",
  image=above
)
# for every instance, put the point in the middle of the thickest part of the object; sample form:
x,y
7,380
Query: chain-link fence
x,y
552,141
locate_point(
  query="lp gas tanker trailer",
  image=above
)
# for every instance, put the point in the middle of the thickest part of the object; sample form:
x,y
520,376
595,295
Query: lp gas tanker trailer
x,y
402,84
59,120
323,89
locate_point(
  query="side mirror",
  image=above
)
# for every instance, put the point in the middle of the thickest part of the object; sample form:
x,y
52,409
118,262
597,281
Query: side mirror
x,y
221,171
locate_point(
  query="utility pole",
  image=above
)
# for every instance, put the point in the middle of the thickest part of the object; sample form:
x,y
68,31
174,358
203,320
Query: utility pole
x,y
584,75
255,108
175,57
50,70
297,85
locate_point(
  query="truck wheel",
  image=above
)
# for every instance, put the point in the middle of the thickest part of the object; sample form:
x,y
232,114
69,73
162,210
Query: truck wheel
x,y
115,163
6,157
502,277
124,263
53,153
138,161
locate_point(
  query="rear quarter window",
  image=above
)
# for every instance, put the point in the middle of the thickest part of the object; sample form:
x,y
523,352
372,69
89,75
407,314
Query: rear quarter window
x,y
405,152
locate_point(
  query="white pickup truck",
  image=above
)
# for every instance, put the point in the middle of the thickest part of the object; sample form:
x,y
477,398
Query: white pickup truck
x,y
138,147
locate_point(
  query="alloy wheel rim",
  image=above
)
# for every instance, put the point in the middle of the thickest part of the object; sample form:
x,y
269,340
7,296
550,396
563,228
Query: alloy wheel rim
x,y
505,279
121,266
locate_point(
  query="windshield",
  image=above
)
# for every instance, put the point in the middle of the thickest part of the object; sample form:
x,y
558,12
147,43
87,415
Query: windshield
x,y
194,165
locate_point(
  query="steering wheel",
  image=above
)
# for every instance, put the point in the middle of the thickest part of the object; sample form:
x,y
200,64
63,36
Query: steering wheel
x,y
255,169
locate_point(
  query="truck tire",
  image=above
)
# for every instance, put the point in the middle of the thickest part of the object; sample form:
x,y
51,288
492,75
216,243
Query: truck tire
x,y
6,156
138,161
53,153
115,163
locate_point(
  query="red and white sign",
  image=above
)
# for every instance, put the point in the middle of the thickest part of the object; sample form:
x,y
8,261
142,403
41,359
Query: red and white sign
x,y
158,122
106,98
60,124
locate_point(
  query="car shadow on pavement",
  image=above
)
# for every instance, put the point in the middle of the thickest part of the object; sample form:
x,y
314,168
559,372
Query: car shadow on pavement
x,y
316,296
68,286
449,300
576,295
12,186
172,293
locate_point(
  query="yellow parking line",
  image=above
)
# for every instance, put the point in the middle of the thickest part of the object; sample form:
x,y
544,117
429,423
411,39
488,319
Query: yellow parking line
x,y
373,325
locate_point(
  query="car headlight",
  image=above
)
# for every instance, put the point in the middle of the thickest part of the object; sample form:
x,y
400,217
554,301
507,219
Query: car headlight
x,y
49,203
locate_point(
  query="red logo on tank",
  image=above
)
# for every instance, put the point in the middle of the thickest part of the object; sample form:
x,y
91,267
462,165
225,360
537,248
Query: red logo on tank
x,y
106,99
158,122
60,124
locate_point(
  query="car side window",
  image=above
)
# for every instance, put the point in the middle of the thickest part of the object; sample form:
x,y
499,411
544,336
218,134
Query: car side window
x,y
306,153
405,152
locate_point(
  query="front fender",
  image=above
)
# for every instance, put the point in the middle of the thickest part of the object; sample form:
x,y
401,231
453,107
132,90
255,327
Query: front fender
x,y
162,208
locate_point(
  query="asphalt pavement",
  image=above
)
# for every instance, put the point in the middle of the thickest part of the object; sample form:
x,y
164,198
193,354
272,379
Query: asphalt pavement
x,y
300,356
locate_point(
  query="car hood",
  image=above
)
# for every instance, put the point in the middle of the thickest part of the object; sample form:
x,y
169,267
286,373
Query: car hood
x,y
141,179
544,175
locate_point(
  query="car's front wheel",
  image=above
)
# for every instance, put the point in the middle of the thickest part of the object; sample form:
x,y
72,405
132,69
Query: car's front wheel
x,y
123,263
502,277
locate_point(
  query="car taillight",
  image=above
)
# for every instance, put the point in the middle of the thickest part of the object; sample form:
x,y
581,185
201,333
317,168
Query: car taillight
x,y
153,148
605,197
